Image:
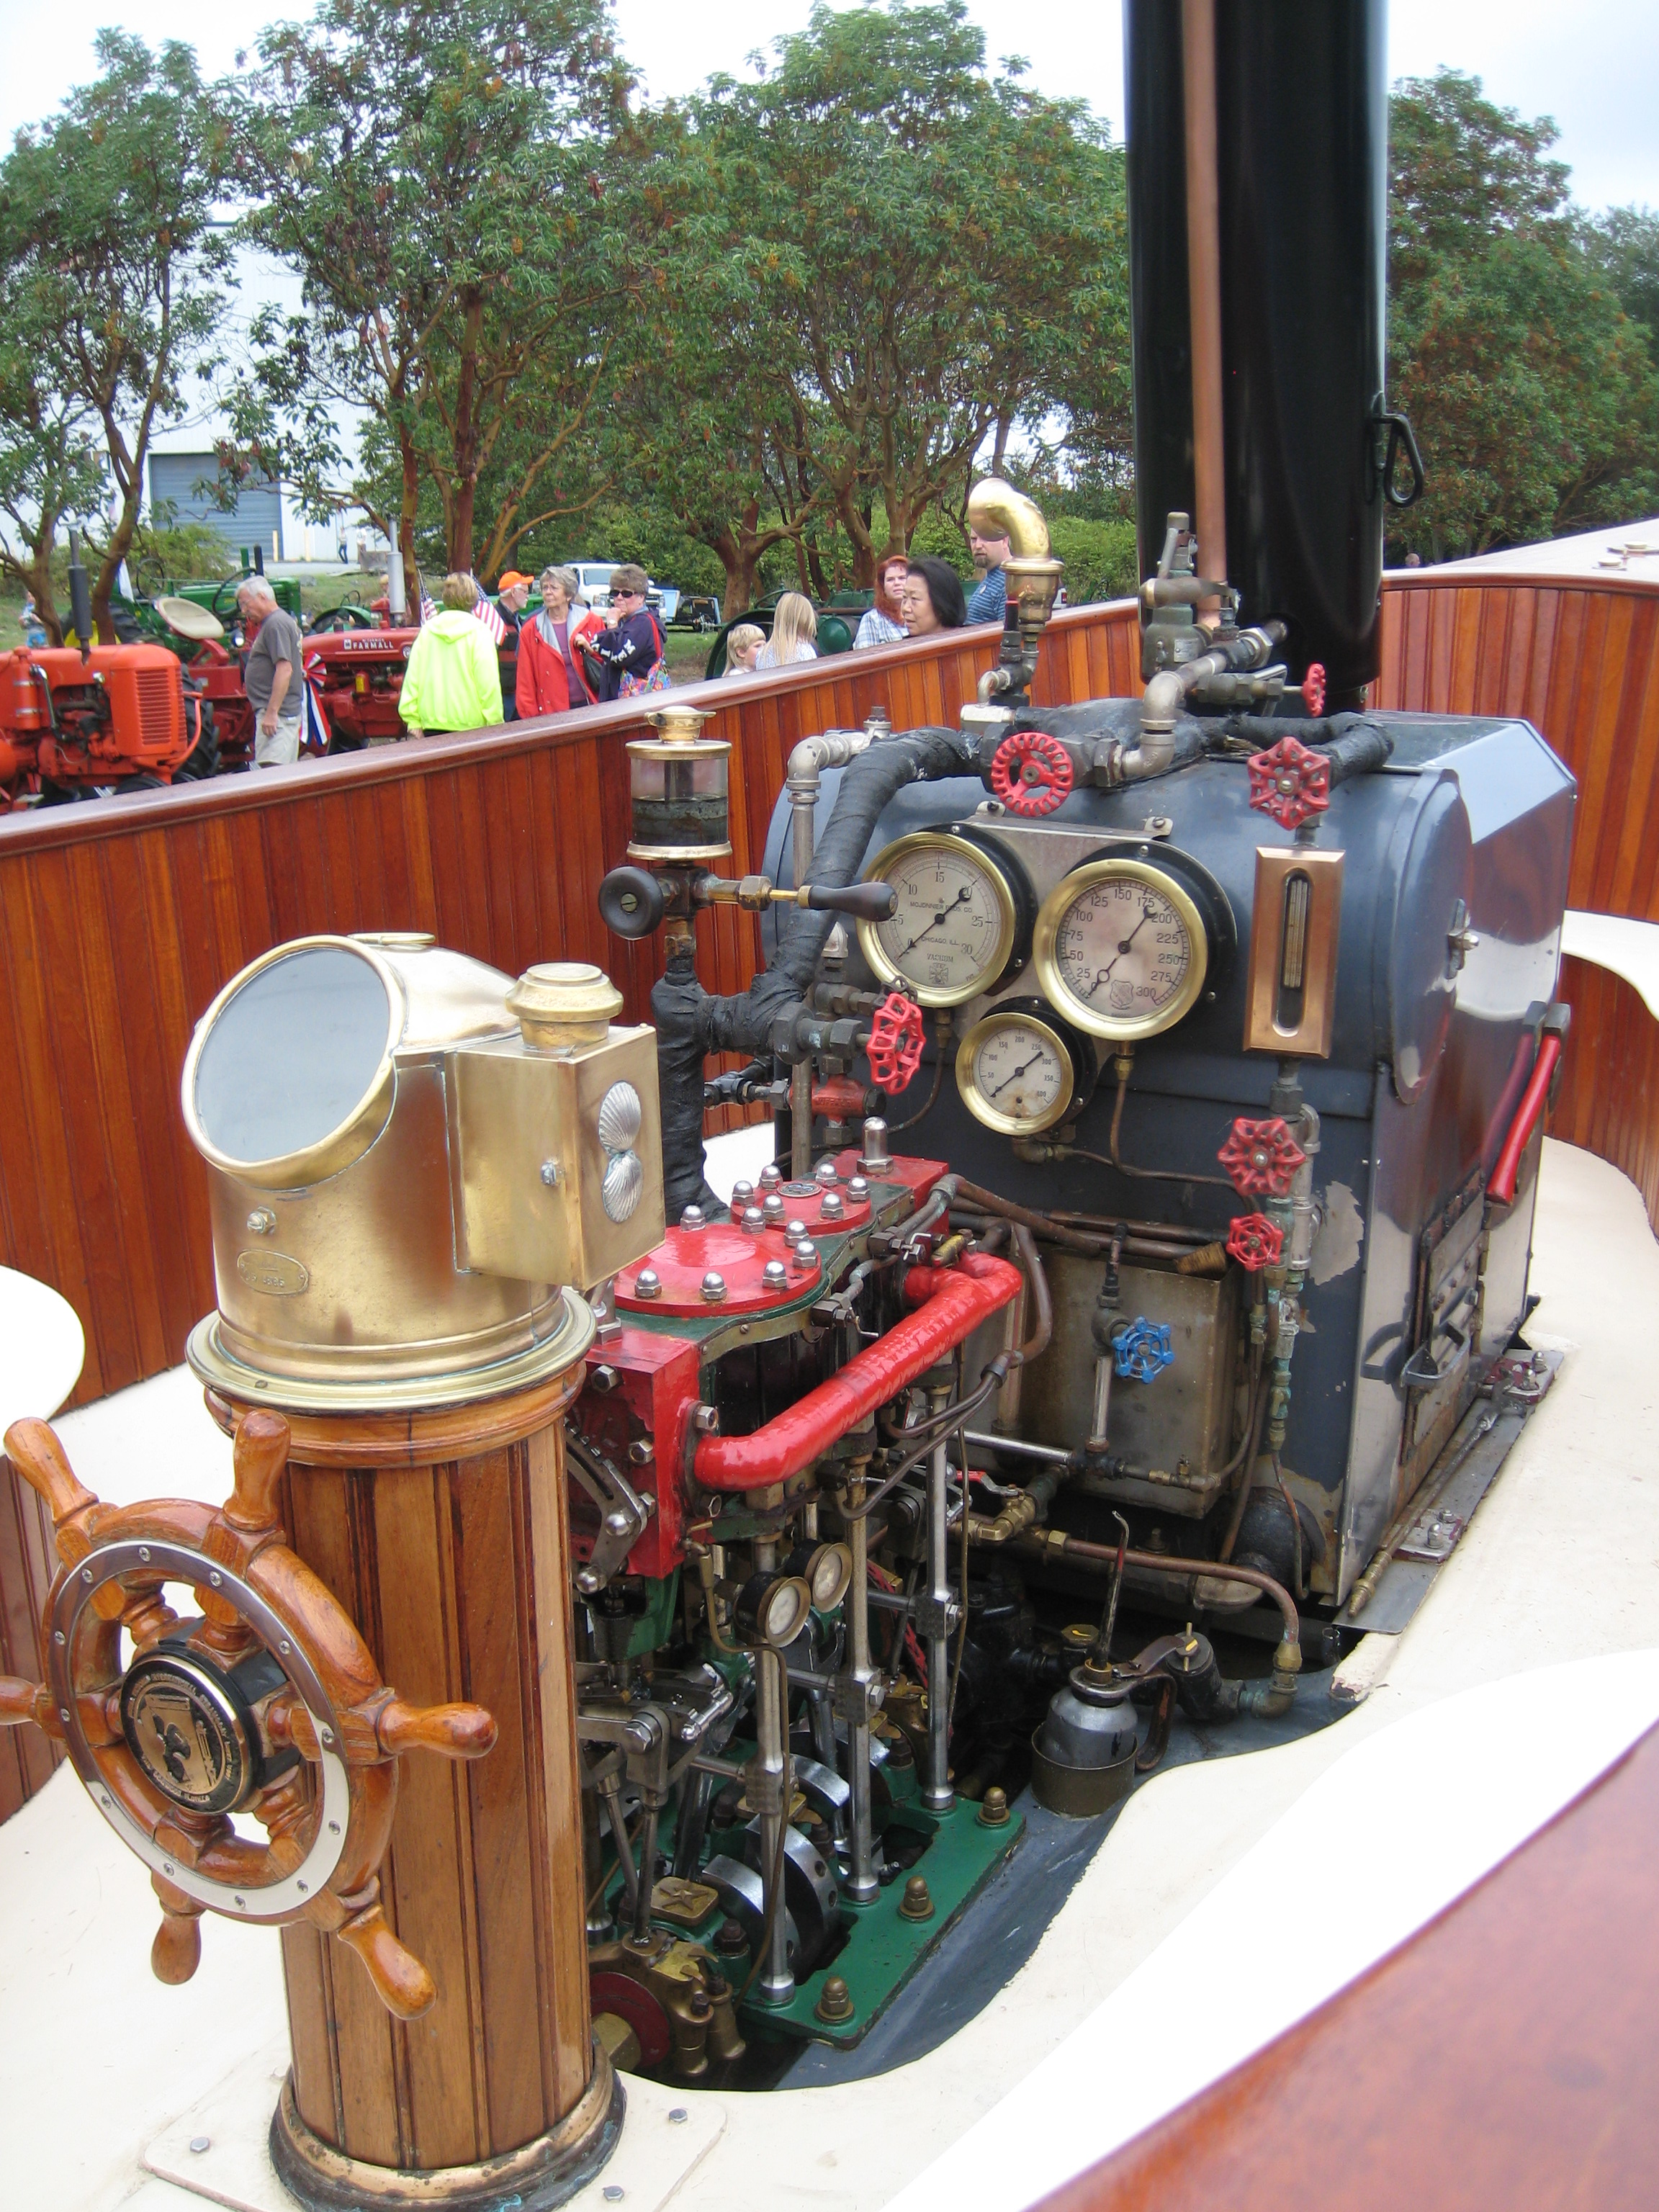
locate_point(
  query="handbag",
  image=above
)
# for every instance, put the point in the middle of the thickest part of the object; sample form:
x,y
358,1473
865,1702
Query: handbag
x,y
656,678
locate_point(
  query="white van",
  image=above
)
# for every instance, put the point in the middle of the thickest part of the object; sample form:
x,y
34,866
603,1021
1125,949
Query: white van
x,y
596,576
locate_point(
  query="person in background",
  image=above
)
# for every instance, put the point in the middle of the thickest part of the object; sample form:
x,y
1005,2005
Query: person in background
x,y
29,621
990,595
931,599
883,624
453,679
273,674
630,652
550,677
794,626
743,646
511,595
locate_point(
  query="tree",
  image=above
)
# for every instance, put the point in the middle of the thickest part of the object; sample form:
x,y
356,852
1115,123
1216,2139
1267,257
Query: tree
x,y
50,469
443,173
888,252
1624,245
1533,393
106,213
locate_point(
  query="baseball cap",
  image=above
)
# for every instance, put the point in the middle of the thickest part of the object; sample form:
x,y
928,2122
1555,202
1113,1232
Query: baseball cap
x,y
514,576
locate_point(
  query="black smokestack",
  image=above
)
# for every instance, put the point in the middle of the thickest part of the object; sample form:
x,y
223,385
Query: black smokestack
x,y
1302,122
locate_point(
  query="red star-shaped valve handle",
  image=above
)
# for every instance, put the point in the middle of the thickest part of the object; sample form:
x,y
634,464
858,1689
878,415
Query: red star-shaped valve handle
x,y
1290,782
894,1051
1031,773
1261,1157
1254,1242
1313,688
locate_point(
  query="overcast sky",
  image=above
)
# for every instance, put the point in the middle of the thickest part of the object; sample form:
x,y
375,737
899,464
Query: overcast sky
x,y
1594,67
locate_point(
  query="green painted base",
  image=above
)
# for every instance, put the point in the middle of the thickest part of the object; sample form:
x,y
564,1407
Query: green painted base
x,y
883,1949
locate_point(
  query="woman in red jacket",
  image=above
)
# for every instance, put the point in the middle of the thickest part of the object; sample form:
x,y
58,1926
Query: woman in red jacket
x,y
550,676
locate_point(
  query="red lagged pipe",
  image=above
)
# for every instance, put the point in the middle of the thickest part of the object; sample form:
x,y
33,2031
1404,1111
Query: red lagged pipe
x,y
950,1301
1501,1188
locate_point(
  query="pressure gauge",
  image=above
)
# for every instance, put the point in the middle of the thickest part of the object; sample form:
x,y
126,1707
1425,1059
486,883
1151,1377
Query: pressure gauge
x,y
1020,1073
1122,948
955,927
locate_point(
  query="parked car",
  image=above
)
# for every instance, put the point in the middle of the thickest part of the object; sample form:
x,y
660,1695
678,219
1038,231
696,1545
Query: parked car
x,y
696,610
838,621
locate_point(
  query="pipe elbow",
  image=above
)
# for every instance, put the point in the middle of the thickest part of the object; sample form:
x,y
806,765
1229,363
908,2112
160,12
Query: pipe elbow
x,y
995,509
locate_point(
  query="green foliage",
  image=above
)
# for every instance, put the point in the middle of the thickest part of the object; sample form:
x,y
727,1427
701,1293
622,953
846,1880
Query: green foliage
x,y
1533,394
112,267
1624,245
1099,557
167,551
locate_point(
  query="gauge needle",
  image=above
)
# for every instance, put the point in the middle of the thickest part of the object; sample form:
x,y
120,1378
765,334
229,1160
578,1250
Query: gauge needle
x,y
1015,1077
1124,943
964,894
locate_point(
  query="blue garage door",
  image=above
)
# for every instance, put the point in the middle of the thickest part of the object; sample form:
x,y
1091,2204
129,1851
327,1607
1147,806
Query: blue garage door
x,y
181,482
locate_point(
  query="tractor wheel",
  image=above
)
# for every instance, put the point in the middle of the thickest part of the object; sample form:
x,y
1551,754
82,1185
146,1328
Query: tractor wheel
x,y
204,758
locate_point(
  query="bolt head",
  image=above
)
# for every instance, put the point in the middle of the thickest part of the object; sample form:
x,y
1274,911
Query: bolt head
x,y
858,1189
262,1222
714,1287
754,1219
794,1231
678,2117
742,1192
706,1420
549,1173
770,1176
771,1209
832,1209
692,1218
647,1283
775,1275
199,2143
805,1253
825,1173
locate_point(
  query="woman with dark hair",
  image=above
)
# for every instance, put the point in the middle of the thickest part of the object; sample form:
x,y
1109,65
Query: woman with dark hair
x,y
932,597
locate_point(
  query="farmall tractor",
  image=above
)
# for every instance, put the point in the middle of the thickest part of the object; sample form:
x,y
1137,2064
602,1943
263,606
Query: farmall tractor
x,y
80,721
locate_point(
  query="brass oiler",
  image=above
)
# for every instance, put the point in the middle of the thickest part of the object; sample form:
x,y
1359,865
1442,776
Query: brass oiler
x,y
416,1167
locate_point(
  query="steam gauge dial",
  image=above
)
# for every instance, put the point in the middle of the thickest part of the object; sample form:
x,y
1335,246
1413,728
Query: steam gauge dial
x,y
961,916
1020,1071
1123,948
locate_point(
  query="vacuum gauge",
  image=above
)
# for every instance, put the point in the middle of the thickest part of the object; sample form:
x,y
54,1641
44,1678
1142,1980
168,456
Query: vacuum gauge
x,y
1018,1073
1121,949
954,928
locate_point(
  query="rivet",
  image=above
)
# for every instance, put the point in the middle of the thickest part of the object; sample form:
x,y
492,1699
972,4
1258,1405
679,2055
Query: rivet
x,y
334,1827
63,1714
143,1551
285,1647
303,1887
166,1866
612,2193
199,2143
86,1574
58,1637
325,1736
714,1287
647,1283
216,1578
240,1903
550,1172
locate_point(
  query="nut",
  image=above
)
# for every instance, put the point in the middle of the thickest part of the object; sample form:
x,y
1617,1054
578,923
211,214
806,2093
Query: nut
x,y
834,2001
647,1283
714,1287
825,1173
993,1811
692,1218
916,1904
775,1275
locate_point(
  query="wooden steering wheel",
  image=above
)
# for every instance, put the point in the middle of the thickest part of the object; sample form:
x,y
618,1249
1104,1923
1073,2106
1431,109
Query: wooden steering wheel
x,y
268,1705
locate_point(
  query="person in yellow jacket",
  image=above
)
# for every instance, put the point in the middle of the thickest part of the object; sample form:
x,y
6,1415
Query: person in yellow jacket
x,y
452,680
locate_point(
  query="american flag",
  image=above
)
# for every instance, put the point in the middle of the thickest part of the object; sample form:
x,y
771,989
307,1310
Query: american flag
x,y
485,611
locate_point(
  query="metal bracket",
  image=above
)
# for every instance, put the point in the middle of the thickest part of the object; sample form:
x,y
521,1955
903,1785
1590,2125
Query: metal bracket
x,y
623,1513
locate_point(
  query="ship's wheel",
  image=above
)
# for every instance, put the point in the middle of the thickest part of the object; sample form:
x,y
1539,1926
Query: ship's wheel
x,y
265,1709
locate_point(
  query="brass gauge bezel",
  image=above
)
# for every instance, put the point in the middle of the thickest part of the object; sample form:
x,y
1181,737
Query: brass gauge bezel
x,y
993,1117
963,849
1059,902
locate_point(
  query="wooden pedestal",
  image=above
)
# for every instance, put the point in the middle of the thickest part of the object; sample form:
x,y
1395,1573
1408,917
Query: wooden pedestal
x,y
444,1535
27,1759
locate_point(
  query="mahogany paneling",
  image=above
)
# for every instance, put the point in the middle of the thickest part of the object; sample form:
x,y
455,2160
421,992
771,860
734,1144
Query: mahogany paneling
x,y
1609,1097
1502,2057
123,918
1577,659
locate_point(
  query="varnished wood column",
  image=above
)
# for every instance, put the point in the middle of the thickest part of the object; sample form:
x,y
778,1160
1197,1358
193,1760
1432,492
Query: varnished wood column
x,y
444,1535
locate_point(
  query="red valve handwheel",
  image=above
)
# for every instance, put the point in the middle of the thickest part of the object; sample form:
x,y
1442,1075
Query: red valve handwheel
x,y
1313,688
1031,773
1261,1157
1290,782
894,1051
1254,1242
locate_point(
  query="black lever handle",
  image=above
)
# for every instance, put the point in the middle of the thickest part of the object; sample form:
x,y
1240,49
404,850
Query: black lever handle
x,y
875,902
631,902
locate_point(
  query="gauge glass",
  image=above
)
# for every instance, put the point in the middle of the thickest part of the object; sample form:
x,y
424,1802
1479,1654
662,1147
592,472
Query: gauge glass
x,y
1120,949
1015,1073
950,936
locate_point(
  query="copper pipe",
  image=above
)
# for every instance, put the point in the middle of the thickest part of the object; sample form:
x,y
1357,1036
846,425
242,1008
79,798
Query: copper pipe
x,y
1055,1545
1204,284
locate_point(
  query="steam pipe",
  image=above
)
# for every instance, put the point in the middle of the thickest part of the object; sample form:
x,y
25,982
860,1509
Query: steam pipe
x,y
953,1304
1204,282
807,761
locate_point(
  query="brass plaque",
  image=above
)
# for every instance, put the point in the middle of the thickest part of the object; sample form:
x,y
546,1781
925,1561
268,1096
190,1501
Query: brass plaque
x,y
185,1732
274,1272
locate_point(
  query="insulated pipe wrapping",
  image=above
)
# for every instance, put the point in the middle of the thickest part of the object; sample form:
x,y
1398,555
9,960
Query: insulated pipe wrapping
x,y
952,1303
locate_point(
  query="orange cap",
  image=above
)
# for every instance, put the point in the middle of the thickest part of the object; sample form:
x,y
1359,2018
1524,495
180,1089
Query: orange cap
x,y
514,576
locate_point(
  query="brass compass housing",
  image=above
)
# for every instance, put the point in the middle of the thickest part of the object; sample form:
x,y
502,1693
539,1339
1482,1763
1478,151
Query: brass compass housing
x,y
1121,949
954,928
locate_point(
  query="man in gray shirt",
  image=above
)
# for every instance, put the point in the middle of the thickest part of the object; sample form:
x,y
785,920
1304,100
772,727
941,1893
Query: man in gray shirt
x,y
272,674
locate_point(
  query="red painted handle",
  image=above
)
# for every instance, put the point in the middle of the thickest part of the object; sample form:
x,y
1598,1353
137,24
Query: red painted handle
x,y
1500,1187
956,1300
